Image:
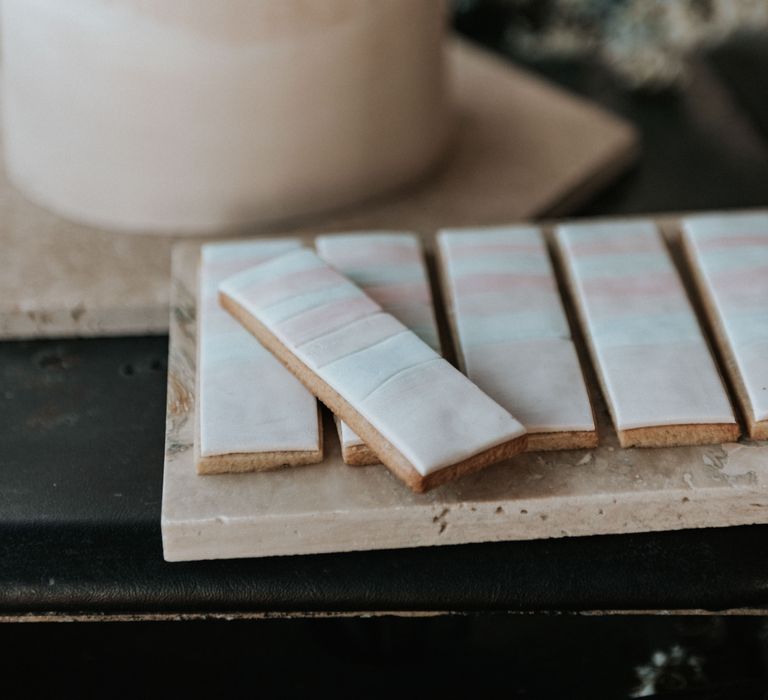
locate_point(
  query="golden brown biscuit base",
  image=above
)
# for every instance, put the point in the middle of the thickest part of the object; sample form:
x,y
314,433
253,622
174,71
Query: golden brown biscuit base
x,y
757,430
388,455
655,435
537,442
677,435
363,456
243,462
562,440
359,455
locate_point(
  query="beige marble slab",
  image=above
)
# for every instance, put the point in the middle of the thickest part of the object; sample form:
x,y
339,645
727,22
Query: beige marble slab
x,y
332,507
523,148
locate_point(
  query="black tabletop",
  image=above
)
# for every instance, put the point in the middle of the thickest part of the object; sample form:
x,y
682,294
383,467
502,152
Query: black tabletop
x,y
82,426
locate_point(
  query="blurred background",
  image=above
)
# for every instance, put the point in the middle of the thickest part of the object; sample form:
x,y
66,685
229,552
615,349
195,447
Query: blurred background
x,y
647,43
690,74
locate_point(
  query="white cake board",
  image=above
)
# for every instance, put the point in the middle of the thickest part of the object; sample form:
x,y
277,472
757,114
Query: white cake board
x,y
333,508
524,148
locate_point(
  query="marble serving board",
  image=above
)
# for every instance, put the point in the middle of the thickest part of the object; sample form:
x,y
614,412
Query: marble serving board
x,y
523,148
332,507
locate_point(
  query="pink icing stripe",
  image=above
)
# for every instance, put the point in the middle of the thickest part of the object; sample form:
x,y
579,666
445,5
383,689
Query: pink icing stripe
x,y
324,319
273,290
608,306
478,305
385,253
462,251
363,333
226,268
658,284
617,244
732,241
751,280
409,293
503,282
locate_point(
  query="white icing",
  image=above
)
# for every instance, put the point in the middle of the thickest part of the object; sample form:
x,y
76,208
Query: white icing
x,y
248,403
386,263
347,436
359,334
540,380
731,253
201,114
419,403
645,340
389,266
512,326
513,337
294,306
377,364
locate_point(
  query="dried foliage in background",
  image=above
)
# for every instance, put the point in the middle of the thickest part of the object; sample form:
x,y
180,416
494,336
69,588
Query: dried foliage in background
x,y
644,41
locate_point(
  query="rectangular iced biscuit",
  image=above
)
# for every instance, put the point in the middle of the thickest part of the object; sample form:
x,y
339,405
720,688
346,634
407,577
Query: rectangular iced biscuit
x,y
389,268
511,333
728,257
659,379
253,414
423,418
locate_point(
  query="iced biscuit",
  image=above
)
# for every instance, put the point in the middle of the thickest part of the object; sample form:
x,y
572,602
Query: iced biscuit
x,y
511,333
389,268
424,419
253,414
728,257
659,379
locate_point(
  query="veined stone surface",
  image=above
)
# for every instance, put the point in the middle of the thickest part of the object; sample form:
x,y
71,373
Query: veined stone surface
x,y
331,507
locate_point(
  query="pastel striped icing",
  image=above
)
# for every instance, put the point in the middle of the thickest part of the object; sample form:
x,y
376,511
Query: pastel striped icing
x,y
248,402
431,413
655,365
389,267
512,334
731,253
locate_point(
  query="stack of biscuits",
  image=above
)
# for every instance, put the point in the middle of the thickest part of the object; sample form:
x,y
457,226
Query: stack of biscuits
x,y
352,323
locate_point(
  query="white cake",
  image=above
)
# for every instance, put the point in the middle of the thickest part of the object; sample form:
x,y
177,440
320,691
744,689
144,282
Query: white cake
x,y
198,115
